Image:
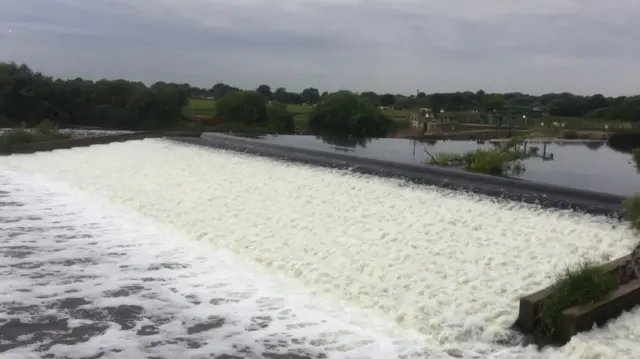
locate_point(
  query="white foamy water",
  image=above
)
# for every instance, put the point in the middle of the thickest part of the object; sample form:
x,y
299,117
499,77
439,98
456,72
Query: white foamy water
x,y
78,279
448,265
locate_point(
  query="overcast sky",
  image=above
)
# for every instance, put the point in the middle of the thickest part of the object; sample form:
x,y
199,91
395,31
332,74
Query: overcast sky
x,y
536,46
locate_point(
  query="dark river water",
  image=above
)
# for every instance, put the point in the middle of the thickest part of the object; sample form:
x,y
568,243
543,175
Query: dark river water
x,y
589,165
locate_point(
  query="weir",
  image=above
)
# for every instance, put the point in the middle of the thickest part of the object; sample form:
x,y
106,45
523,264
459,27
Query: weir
x,y
447,265
541,194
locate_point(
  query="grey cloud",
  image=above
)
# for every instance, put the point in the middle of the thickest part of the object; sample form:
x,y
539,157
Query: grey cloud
x,y
535,46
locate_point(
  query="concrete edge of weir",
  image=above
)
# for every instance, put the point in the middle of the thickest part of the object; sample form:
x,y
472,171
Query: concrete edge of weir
x,y
545,195
34,147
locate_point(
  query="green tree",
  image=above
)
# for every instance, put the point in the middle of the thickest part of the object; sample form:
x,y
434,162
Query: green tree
x,y
247,108
371,97
280,119
265,91
311,95
220,90
344,114
387,100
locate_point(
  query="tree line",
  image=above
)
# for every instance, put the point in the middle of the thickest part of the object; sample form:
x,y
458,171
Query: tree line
x,y
29,97
598,106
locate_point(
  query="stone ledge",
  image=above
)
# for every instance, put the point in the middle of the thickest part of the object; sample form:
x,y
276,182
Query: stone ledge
x,y
577,319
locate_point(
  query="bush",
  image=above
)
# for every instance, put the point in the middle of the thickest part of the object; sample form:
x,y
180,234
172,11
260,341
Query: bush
x,y
247,108
45,131
494,161
631,208
569,135
344,114
636,156
578,285
280,119
624,141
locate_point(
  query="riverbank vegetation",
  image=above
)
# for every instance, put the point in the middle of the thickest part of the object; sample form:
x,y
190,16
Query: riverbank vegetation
x,y
28,96
578,285
343,114
45,131
635,153
506,159
587,282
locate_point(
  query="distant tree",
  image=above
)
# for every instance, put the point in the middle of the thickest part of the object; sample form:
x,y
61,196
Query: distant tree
x,y
265,91
436,102
280,119
344,114
247,108
219,90
371,97
596,102
282,95
494,102
387,100
311,95
28,96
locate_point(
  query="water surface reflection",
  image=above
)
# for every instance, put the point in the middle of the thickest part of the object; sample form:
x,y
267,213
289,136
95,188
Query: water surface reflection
x,y
590,165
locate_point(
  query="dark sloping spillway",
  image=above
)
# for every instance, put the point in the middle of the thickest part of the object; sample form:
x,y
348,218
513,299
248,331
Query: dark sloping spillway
x,y
446,266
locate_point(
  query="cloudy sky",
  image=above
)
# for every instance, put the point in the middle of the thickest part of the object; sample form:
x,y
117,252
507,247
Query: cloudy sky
x,y
536,46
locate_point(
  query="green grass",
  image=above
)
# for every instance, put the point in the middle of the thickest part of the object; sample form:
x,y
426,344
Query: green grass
x,y
579,285
204,107
299,109
200,107
631,207
45,131
397,114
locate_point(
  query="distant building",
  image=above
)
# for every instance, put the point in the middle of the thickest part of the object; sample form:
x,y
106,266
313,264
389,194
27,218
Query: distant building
x,y
425,119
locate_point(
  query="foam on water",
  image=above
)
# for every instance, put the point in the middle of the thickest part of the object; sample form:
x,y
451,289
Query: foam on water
x,y
449,265
78,279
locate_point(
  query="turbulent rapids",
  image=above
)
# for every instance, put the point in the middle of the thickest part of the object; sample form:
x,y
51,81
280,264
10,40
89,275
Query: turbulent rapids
x,y
391,269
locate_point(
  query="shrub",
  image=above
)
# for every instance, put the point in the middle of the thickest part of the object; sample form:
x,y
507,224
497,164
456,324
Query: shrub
x,y
45,131
494,161
578,285
631,208
344,114
569,135
624,141
46,127
636,156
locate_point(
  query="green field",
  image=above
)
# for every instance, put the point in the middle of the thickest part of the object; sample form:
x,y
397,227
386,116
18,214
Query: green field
x,y
202,107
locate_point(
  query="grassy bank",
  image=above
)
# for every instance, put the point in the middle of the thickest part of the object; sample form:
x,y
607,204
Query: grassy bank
x,y
205,107
578,285
567,127
45,131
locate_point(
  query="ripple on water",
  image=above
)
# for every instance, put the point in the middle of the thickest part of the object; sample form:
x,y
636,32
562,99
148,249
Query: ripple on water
x,y
449,265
